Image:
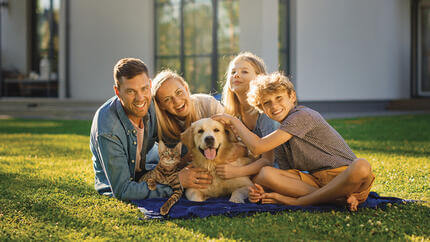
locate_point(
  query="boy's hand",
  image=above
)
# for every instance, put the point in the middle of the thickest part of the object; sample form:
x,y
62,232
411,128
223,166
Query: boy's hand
x,y
255,193
227,171
270,198
224,118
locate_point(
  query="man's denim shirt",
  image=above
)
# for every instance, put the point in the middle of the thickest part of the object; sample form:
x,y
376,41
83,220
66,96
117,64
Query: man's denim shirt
x,y
113,143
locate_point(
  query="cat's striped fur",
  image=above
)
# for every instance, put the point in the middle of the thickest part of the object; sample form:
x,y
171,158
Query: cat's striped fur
x,y
166,172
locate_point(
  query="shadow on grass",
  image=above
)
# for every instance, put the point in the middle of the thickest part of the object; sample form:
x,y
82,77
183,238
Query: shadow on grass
x,y
398,221
19,126
392,151
17,192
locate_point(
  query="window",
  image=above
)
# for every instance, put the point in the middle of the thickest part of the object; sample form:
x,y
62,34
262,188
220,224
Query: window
x,y
283,39
45,19
44,45
197,38
38,76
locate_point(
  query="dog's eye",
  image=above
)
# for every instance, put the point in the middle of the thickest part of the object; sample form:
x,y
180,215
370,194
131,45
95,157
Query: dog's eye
x,y
200,131
216,130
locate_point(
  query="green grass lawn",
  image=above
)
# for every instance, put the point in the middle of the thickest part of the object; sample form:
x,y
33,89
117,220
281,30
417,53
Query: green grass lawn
x,y
46,190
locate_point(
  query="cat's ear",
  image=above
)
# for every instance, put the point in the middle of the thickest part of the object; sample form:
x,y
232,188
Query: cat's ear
x,y
161,145
231,136
178,147
187,138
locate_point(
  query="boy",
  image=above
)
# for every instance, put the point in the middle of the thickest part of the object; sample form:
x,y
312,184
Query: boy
x,y
303,142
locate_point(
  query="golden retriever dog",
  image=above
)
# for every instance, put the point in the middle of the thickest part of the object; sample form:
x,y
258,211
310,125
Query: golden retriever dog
x,y
211,144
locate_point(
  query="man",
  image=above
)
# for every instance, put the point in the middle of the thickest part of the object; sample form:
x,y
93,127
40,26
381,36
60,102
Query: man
x,y
123,132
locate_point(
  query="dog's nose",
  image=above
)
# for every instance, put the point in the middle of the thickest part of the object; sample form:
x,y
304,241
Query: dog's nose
x,y
209,140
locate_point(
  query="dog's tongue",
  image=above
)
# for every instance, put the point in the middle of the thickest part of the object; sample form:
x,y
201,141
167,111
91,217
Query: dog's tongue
x,y
210,153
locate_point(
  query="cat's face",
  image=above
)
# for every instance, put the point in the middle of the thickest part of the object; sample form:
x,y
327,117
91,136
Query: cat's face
x,y
169,156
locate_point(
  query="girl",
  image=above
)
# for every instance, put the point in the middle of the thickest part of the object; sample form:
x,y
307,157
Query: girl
x,y
242,69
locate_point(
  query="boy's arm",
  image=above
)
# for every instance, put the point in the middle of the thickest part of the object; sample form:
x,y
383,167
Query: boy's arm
x,y
254,143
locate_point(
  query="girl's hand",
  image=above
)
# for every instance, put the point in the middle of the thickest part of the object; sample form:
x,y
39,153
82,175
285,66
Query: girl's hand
x,y
255,193
227,171
192,177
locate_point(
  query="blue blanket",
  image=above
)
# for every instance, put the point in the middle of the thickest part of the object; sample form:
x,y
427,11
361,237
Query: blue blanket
x,y
217,206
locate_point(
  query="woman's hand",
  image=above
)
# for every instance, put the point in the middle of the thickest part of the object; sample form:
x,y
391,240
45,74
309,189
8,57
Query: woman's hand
x,y
193,177
227,171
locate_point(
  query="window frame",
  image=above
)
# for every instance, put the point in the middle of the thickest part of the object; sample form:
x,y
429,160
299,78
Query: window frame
x,y
214,55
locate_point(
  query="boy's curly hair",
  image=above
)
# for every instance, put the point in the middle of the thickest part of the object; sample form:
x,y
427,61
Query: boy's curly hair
x,y
268,84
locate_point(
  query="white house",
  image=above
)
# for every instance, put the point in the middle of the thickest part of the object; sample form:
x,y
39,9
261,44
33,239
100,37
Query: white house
x,y
355,51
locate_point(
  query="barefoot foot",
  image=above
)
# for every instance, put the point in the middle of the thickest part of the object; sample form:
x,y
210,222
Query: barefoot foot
x,y
352,203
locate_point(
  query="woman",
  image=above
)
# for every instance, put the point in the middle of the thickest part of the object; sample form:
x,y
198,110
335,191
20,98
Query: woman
x,y
176,109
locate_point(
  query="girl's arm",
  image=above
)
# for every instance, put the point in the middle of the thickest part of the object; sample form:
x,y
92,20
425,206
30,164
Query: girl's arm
x,y
254,143
253,168
227,171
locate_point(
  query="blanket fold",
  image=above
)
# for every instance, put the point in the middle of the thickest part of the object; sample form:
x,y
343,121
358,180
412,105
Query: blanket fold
x,y
217,206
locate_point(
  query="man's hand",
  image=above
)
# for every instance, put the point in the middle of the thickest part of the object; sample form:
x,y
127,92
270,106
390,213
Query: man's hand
x,y
227,171
193,177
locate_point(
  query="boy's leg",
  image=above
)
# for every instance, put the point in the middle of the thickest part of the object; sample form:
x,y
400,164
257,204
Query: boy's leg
x,y
358,177
283,182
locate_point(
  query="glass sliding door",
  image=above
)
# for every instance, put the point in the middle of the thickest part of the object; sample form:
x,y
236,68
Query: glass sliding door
x,y
423,48
197,38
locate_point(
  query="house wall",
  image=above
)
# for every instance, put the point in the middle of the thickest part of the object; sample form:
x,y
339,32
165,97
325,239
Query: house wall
x,y
351,50
14,36
340,49
258,21
101,33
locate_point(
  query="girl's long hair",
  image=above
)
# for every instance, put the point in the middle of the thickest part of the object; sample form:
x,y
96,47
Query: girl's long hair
x,y
229,98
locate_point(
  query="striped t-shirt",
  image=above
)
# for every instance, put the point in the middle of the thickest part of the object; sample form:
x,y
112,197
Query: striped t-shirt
x,y
315,145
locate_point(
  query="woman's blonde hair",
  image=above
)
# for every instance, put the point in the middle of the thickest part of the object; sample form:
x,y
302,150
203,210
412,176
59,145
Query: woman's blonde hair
x,y
268,84
229,98
168,126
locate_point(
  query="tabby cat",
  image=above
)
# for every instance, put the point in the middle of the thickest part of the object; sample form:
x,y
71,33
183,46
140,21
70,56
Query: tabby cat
x,y
166,172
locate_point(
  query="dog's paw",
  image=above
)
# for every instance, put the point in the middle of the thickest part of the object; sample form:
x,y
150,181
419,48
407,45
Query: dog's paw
x,y
152,185
237,200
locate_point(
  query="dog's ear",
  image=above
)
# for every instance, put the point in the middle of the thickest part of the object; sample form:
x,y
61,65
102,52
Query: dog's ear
x,y
187,138
230,134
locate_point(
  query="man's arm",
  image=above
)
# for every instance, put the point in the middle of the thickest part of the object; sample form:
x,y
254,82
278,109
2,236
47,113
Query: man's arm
x,y
115,166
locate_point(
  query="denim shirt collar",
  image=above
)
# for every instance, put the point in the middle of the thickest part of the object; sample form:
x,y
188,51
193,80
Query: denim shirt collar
x,y
126,121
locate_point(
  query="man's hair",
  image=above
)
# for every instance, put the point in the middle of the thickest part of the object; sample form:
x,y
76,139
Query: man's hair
x,y
268,84
229,99
128,68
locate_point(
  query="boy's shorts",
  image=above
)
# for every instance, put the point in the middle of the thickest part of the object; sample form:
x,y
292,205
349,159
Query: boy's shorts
x,y
321,178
